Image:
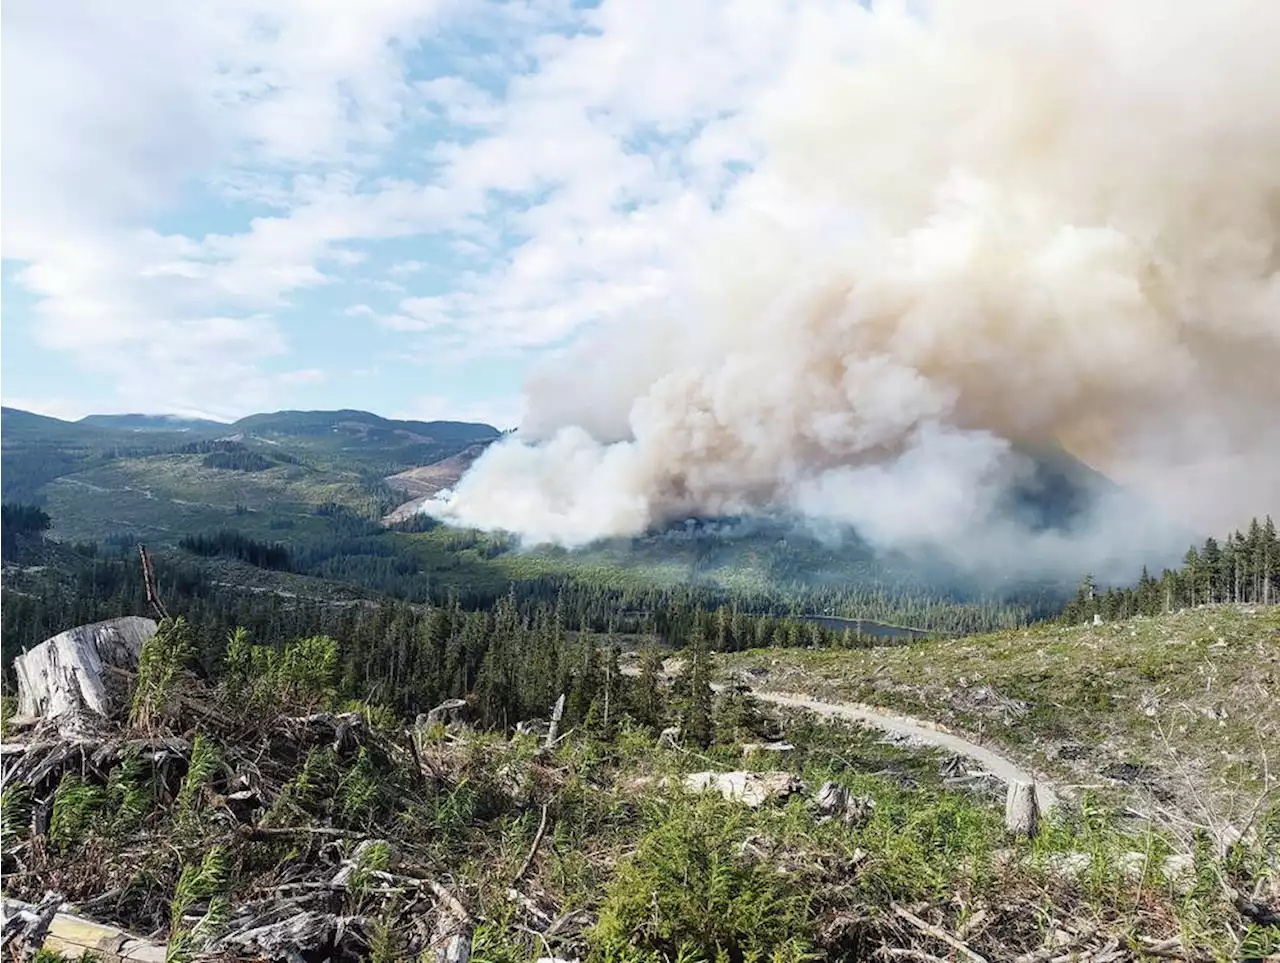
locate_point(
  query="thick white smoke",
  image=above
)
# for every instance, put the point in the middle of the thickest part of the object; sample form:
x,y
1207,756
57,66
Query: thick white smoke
x,y
1006,223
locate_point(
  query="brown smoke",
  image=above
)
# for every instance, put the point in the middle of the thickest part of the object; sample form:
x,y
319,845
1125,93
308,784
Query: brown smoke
x,y
1011,222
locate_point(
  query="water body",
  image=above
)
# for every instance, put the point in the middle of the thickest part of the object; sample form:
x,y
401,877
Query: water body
x,y
879,630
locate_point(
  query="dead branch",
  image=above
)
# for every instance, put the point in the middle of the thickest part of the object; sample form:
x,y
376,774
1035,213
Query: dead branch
x,y
149,580
1169,950
938,934
1047,953
454,905
906,953
533,850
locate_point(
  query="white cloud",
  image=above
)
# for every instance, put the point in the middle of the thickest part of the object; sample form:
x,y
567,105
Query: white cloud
x,y
113,110
569,169
619,141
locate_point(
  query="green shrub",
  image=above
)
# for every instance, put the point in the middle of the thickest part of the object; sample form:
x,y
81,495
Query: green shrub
x,y
690,892
206,760
77,805
130,796
301,676
207,881
161,668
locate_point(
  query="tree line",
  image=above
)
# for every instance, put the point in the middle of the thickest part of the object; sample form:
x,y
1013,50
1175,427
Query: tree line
x,y
232,544
1244,568
18,522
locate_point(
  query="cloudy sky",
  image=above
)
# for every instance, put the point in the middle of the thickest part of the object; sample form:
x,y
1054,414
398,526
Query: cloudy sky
x,y
230,206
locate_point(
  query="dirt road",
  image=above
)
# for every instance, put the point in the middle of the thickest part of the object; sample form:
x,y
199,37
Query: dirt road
x,y
919,732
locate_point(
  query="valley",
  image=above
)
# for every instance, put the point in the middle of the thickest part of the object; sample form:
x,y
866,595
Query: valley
x,y
616,482
341,489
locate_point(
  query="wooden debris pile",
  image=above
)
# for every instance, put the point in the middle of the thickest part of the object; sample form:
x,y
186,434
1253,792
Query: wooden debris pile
x,y
233,830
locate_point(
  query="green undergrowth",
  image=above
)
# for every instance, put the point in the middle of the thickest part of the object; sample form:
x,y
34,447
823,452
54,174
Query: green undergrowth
x,y
265,792
1174,710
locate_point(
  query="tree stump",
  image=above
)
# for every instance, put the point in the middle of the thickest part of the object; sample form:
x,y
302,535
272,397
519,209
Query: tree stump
x,y
71,671
1021,812
449,712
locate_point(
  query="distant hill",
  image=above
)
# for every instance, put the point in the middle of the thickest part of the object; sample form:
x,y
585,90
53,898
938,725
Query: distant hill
x,y
320,481
143,459
36,449
1057,491
382,446
363,425
141,422
17,425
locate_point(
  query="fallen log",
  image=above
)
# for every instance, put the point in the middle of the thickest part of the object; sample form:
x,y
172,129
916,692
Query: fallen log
x,y
929,929
70,935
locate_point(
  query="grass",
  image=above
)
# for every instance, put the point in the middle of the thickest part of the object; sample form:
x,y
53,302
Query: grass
x,y
666,875
1153,704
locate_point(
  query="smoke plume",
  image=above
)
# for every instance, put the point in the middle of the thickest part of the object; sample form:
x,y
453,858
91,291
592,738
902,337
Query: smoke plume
x,y
1002,226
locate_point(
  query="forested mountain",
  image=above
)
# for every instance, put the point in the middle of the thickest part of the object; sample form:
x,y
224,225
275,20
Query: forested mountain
x,y
359,439
317,482
38,449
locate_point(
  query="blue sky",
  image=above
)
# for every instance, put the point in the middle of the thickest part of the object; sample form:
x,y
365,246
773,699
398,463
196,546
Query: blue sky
x,y
397,205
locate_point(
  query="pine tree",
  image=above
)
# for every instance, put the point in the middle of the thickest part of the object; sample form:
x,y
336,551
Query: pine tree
x,y
647,693
1270,560
1191,573
695,719
586,683
1210,560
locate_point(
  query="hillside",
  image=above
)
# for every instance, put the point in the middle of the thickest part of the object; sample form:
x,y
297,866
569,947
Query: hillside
x,y
35,450
142,422
360,439
276,808
320,481
423,483
1167,712
157,478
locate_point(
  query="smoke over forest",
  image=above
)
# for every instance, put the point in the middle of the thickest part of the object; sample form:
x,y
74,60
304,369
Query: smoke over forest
x,y
986,230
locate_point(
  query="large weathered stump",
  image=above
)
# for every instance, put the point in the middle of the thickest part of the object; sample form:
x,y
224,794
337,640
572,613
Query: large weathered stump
x,y
71,671
1021,811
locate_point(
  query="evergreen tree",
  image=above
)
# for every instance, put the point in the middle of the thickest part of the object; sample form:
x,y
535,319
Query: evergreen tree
x,y
695,683
587,680
1270,563
646,701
